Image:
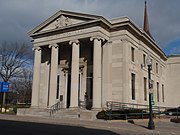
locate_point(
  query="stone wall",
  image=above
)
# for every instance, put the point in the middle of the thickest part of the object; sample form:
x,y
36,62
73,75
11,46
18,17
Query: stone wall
x,y
173,81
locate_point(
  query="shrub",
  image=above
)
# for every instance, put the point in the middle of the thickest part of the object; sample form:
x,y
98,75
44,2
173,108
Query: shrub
x,y
15,109
102,115
122,114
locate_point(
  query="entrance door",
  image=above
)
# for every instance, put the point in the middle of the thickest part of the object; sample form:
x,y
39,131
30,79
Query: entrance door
x,y
68,90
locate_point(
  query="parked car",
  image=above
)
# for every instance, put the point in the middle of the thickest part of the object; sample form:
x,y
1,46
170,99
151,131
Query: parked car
x,y
173,111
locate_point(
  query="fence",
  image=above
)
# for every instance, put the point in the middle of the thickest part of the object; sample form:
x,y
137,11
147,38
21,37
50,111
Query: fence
x,y
131,109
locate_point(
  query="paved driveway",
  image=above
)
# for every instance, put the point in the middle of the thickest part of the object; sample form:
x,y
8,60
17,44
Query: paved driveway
x,y
23,125
28,128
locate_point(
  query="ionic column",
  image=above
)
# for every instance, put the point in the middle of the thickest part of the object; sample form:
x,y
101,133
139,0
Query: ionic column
x,y
74,74
36,77
53,74
96,101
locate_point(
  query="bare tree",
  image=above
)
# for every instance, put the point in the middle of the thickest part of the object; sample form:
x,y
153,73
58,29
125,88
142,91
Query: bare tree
x,y
14,57
22,86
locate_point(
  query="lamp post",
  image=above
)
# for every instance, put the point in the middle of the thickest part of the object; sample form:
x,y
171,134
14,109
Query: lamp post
x,y
151,122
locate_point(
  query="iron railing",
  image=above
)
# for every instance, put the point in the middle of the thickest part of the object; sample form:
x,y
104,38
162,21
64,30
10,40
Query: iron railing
x,y
55,108
119,106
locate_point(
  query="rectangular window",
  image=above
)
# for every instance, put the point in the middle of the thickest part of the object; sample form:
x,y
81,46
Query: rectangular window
x,y
132,54
144,59
163,92
157,91
57,93
145,89
133,85
160,70
157,68
152,65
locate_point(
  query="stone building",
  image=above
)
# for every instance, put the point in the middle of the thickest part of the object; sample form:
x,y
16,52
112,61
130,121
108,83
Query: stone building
x,y
82,58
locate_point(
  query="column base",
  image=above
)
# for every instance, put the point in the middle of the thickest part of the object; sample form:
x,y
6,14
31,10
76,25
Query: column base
x,y
34,107
96,109
73,108
39,107
88,115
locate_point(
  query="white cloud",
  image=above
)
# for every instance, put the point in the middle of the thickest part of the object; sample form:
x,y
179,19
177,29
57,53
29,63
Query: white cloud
x,y
19,16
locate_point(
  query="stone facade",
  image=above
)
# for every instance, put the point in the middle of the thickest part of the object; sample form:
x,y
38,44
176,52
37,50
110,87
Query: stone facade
x,y
172,96
86,58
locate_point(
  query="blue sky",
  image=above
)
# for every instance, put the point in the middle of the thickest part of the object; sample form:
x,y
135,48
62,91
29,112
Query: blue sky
x,y
17,17
172,48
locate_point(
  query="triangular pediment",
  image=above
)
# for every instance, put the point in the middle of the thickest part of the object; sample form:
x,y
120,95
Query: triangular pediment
x,y
63,19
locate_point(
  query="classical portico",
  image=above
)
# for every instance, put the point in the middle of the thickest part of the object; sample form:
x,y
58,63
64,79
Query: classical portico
x,y
68,76
68,61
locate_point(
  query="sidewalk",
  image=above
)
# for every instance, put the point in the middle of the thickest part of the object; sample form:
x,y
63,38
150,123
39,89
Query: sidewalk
x,y
136,127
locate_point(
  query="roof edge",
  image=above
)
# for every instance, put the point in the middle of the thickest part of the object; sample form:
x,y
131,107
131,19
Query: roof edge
x,y
44,23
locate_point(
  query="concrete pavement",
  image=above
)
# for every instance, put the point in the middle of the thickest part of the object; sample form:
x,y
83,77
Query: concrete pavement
x,y
120,127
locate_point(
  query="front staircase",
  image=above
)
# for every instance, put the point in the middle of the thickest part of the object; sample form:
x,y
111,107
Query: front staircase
x,y
67,113
58,111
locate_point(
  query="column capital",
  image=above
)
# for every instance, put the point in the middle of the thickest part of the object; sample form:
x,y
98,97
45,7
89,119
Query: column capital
x,y
98,38
53,45
36,48
65,71
74,41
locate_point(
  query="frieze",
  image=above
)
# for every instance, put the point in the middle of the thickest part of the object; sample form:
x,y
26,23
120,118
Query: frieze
x,y
63,35
91,31
62,21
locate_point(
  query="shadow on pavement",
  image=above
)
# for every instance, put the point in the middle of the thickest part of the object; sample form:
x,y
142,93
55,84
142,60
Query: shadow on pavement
x,y
28,128
132,122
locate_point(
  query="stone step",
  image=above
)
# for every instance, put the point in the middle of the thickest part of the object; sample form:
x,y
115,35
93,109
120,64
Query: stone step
x,y
66,114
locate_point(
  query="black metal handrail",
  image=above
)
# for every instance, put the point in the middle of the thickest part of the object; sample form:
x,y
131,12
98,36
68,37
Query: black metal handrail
x,y
56,107
117,106
121,105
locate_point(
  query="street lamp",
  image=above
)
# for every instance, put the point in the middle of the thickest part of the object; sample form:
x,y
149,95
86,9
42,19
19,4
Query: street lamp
x,y
151,122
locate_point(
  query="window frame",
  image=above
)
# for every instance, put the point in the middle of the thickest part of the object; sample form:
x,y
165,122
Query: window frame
x,y
144,59
158,92
157,68
133,88
132,54
163,96
145,88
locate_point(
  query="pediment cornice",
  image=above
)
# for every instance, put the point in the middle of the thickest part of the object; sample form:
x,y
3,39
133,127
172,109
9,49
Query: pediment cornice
x,y
65,19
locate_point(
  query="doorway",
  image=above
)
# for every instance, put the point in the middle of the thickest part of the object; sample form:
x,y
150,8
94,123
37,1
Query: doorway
x,y
68,90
